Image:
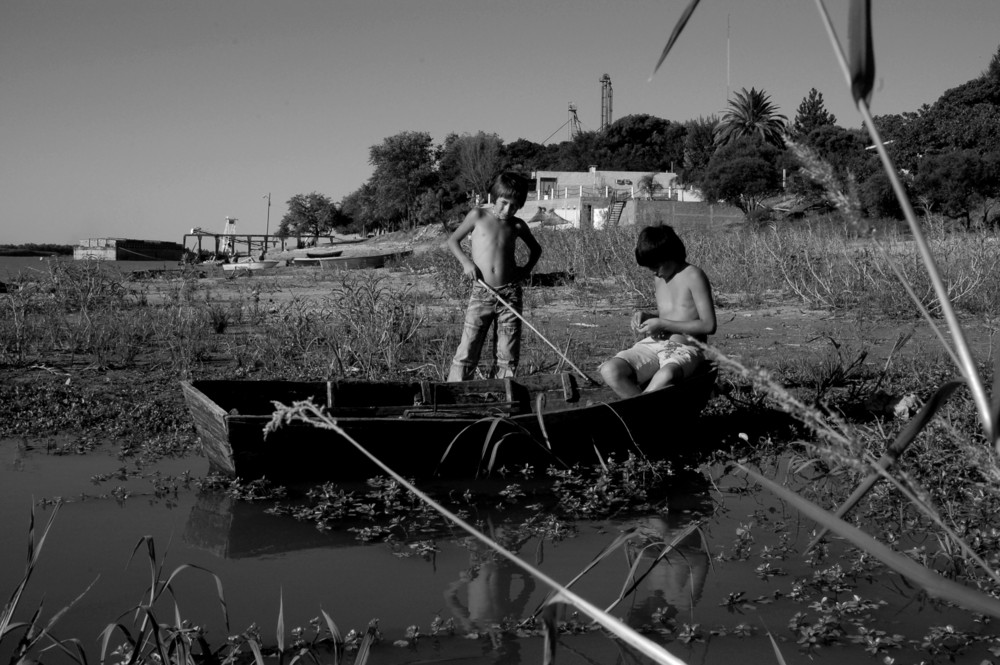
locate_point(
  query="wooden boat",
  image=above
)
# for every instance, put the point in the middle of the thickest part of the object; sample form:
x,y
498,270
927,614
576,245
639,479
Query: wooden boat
x,y
250,265
359,261
437,429
324,253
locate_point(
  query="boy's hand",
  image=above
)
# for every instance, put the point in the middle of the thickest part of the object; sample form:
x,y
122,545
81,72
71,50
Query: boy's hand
x,y
472,272
636,321
639,318
652,326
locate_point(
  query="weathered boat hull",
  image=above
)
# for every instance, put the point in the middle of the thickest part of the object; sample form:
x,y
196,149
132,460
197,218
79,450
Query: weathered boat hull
x,y
324,253
423,429
249,265
362,261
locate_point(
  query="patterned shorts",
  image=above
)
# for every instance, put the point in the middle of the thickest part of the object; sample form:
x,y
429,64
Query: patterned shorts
x,y
648,355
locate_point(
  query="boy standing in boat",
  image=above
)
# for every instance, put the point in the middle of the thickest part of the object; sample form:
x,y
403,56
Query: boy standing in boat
x,y
495,275
685,308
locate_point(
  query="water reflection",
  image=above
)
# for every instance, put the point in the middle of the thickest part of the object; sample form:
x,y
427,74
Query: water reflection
x,y
491,589
234,529
671,573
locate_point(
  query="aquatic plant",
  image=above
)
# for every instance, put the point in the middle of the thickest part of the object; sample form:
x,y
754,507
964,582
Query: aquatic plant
x,y
32,633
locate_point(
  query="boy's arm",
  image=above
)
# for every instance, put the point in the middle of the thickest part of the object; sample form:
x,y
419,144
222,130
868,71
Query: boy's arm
x,y
469,267
534,251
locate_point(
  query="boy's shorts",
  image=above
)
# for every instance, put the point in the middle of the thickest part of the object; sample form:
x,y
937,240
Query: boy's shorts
x,y
648,355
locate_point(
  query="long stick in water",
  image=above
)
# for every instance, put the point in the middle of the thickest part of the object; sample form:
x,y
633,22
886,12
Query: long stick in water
x,y
535,330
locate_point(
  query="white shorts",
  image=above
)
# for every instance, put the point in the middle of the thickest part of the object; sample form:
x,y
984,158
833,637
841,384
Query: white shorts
x,y
648,355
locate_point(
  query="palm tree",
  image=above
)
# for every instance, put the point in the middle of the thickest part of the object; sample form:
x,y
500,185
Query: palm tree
x,y
751,114
648,186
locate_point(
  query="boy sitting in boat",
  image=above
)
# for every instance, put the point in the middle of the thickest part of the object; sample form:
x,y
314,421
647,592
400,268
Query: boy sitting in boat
x,y
496,277
685,308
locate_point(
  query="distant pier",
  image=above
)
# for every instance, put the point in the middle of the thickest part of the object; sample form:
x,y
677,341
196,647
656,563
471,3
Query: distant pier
x,y
202,243
127,249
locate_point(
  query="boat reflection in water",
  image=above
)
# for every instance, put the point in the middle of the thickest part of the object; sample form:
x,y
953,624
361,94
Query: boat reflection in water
x,y
234,529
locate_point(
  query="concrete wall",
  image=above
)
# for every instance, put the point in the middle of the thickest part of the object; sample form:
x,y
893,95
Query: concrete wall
x,y
681,215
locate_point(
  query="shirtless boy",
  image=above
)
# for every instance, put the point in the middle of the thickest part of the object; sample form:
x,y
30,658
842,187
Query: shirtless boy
x,y
494,230
684,308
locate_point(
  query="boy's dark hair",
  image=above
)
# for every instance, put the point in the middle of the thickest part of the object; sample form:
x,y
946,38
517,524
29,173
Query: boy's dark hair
x,y
658,244
511,186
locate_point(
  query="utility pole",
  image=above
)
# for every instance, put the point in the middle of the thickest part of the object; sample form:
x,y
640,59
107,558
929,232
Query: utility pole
x,y
727,58
267,226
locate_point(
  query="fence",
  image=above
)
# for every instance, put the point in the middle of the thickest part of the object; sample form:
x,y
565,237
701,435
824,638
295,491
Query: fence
x,y
682,215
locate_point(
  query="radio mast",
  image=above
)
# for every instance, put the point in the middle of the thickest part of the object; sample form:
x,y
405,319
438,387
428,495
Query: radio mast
x,y
606,98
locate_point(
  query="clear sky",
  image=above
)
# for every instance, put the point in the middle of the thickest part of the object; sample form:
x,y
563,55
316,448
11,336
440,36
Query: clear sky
x,y
144,118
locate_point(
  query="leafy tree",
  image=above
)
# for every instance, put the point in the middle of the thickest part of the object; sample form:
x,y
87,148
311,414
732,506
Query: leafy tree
x,y
902,136
751,113
523,156
576,155
843,149
946,127
404,169
699,146
429,207
473,161
641,142
309,214
743,174
966,117
358,210
877,197
811,115
993,69
960,183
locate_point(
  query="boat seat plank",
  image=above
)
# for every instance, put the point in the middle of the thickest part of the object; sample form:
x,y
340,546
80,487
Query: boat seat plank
x,y
425,411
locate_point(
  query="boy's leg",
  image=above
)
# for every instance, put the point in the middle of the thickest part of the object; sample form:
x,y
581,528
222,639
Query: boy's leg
x,y
665,376
478,317
620,377
508,340
630,369
676,362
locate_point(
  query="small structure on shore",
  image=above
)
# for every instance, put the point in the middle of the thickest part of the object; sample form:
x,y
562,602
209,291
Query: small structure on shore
x,y
126,249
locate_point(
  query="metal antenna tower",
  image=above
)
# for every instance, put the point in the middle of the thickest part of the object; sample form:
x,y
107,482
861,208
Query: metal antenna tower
x,y
574,122
606,98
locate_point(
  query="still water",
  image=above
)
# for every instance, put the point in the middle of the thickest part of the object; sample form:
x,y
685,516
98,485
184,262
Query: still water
x,y
263,560
11,266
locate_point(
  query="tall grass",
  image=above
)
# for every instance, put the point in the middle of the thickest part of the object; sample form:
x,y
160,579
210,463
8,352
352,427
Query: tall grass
x,y
819,263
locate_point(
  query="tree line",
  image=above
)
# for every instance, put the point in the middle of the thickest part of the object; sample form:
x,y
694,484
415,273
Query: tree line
x,y
948,152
